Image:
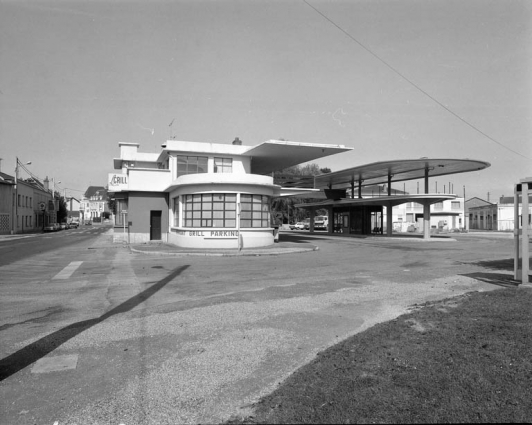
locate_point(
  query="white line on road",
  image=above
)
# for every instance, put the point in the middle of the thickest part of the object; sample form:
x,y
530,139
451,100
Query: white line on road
x,y
68,270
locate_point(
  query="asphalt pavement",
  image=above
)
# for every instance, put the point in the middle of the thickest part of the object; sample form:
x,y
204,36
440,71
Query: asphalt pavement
x,y
151,334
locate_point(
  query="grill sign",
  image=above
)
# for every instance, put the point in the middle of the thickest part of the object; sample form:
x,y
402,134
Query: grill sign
x,y
118,182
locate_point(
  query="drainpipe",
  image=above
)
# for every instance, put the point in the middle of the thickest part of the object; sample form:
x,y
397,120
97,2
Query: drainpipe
x,y
238,223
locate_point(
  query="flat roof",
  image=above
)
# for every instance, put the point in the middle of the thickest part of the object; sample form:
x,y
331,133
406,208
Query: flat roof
x,y
399,170
276,155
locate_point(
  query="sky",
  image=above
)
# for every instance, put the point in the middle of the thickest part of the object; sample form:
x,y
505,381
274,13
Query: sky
x,y
394,79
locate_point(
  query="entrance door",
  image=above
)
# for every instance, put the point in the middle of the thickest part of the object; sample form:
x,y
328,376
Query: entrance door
x,y
345,222
155,225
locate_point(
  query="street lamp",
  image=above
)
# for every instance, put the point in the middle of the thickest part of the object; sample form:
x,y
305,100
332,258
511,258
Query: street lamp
x,y
14,227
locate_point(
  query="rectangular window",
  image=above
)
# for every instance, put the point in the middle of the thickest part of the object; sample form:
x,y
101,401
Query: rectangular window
x,y
210,210
455,205
223,165
18,201
255,211
176,211
438,206
191,165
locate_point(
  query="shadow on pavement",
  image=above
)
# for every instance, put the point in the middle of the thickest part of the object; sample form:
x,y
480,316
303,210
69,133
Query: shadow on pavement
x,y
505,264
38,349
500,279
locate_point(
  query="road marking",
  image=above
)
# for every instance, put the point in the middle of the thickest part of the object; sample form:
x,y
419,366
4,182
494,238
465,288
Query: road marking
x,y
68,270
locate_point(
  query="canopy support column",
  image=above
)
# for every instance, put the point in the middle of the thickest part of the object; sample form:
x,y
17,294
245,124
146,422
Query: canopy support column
x,y
330,222
426,220
389,219
311,223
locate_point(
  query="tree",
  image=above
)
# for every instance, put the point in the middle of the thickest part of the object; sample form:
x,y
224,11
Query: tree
x,y
62,212
283,209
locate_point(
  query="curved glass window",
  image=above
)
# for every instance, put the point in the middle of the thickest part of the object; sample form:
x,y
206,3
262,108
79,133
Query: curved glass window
x,y
254,211
210,210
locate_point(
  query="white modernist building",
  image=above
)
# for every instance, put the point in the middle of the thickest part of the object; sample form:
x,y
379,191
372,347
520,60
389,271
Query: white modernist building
x,y
204,195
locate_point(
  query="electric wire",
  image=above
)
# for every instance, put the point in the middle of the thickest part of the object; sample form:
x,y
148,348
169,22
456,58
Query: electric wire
x,y
41,181
396,71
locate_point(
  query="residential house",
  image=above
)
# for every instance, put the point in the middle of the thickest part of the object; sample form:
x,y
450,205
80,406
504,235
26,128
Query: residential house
x,y
94,204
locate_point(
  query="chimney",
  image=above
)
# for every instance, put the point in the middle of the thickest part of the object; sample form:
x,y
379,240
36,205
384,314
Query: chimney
x,y
46,184
237,141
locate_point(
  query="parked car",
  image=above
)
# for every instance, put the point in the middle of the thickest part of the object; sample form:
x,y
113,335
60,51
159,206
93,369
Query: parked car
x,y
298,226
321,222
52,227
63,226
74,225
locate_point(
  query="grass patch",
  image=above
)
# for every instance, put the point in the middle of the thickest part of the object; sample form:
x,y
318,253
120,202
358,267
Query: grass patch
x,y
465,359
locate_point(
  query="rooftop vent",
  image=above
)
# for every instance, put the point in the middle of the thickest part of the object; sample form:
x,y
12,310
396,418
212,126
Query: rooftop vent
x,y
237,141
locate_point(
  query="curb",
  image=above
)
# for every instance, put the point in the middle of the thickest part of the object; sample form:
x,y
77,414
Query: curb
x,y
253,253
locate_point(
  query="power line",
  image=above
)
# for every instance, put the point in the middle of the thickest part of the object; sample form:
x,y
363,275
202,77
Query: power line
x,y
414,84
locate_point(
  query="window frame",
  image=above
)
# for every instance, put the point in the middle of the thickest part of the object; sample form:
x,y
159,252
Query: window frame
x,y
210,210
176,211
223,165
255,213
190,164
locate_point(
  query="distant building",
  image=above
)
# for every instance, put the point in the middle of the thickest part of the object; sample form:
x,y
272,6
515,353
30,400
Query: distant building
x,y
24,207
94,204
499,216
7,203
445,216
473,203
73,206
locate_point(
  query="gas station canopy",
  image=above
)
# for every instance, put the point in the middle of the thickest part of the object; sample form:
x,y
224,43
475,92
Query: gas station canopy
x,y
396,171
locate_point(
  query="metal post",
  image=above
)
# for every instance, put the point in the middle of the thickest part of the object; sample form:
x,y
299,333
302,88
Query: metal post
x,y
516,233
526,232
